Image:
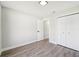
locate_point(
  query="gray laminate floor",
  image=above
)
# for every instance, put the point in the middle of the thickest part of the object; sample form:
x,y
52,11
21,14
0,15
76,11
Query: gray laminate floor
x,y
41,49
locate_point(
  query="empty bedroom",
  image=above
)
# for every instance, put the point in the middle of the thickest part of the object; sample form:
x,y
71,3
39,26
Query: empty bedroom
x,y
39,28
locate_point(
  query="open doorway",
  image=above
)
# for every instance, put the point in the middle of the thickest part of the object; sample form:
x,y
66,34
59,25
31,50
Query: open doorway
x,y
46,29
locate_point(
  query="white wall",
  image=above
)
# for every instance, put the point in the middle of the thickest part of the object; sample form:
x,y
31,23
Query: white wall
x,y
52,30
18,28
0,30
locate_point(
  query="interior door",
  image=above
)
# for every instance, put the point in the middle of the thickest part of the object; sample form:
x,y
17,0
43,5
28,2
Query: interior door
x,y
72,32
61,31
40,29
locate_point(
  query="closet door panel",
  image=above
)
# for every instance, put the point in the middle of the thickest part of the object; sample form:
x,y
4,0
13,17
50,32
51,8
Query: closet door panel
x,y
61,31
73,32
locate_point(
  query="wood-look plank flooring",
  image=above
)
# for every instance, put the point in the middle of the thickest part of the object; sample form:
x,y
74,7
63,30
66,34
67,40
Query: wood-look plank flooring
x,y
41,49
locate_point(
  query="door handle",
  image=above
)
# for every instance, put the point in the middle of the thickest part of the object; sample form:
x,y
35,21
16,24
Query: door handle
x,y
38,31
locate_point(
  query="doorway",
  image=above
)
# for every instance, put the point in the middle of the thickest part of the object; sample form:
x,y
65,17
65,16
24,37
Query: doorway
x,y
46,29
42,29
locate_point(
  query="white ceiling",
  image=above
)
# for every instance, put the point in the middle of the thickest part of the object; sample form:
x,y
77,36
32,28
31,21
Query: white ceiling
x,y
34,8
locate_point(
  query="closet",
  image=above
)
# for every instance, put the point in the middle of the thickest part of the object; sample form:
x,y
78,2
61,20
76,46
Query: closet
x,y
68,31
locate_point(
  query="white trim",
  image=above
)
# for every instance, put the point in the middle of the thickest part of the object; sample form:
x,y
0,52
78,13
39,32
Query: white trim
x,y
8,48
52,42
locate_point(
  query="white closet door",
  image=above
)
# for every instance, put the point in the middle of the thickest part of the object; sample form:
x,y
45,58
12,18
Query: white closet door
x,y
61,31
72,32
68,31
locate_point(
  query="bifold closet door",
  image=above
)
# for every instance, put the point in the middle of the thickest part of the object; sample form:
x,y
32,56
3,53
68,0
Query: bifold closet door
x,y
61,31
68,31
72,31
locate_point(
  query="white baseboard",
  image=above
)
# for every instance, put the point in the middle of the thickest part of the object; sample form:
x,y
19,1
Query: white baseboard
x,y
8,48
52,42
